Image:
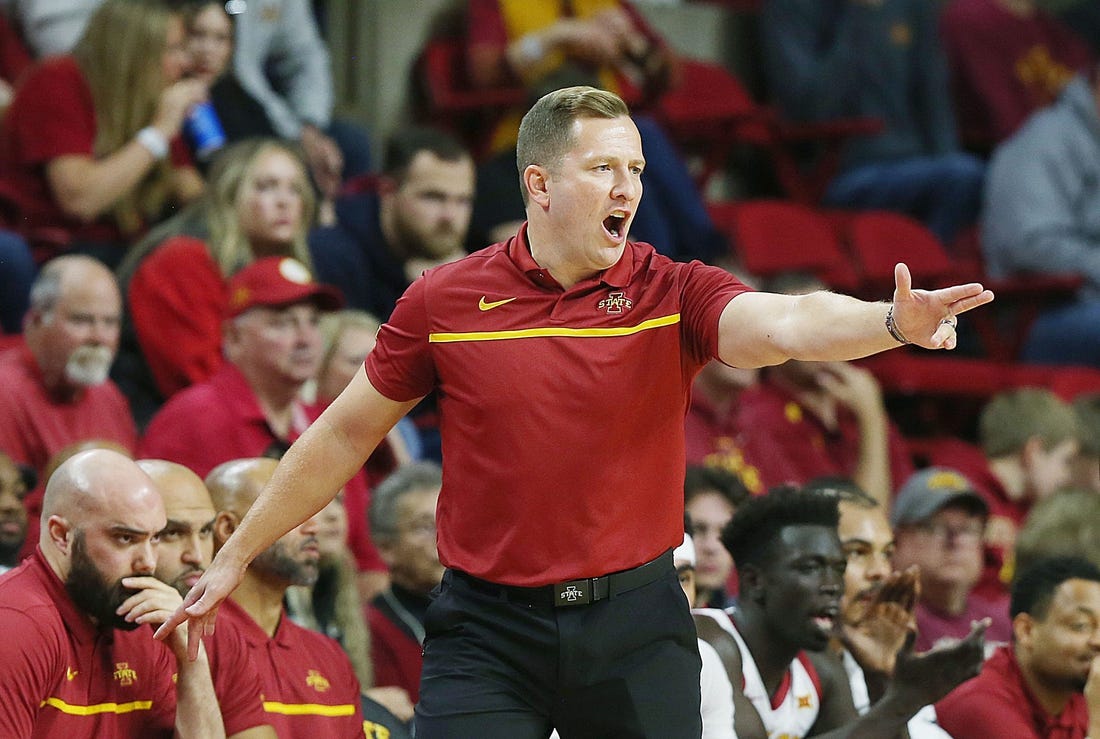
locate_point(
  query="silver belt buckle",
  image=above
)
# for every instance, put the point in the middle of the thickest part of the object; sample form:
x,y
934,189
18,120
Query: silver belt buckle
x,y
573,593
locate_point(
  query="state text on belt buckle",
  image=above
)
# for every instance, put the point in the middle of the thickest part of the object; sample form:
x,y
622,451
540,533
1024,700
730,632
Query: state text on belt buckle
x,y
573,593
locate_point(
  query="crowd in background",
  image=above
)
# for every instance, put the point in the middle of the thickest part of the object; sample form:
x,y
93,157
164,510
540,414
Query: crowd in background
x,y
196,254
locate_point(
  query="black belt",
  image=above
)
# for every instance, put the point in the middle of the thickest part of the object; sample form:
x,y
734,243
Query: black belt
x,y
574,592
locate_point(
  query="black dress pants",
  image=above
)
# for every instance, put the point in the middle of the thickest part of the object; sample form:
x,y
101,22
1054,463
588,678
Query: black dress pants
x,y
622,668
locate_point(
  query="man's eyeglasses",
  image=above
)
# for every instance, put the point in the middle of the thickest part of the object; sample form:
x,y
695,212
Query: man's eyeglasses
x,y
943,533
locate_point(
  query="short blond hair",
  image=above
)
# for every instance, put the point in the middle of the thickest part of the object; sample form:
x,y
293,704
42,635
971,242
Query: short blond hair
x,y
1014,416
546,131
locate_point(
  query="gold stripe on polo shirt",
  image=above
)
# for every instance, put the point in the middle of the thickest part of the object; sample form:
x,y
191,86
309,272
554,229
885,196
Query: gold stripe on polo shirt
x,y
308,709
97,707
553,331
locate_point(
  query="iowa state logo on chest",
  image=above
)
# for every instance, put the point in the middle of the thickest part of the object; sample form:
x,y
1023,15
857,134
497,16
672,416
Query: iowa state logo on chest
x,y
615,302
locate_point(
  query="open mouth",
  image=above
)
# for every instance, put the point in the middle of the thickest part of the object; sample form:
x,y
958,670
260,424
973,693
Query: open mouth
x,y
826,620
615,224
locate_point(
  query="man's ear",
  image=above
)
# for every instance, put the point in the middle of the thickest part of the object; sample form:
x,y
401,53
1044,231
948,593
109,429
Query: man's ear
x,y
59,531
536,181
32,319
386,551
1023,627
751,581
1032,448
225,523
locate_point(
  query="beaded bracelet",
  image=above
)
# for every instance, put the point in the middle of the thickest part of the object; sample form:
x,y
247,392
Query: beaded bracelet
x,y
893,327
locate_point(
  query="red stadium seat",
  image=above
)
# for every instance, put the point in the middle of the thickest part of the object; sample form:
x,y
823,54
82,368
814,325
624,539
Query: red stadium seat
x,y
773,237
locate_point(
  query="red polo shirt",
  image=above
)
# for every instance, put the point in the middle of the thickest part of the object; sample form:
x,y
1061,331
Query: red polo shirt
x,y
308,685
236,681
562,411
60,676
998,703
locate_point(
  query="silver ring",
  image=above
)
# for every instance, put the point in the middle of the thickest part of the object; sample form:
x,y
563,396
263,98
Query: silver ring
x,y
951,321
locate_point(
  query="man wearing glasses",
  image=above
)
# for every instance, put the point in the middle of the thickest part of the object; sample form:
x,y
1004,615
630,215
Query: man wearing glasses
x,y
939,521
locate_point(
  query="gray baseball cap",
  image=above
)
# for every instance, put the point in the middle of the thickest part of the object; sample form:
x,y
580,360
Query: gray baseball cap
x,y
931,490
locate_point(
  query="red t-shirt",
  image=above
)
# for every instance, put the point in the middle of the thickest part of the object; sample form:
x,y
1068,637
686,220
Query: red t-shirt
x,y
35,425
62,677
52,115
789,444
715,439
934,626
309,688
177,301
562,411
220,419
998,703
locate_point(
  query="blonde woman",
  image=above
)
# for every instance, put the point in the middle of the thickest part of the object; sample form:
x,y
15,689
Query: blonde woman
x,y
259,203
89,148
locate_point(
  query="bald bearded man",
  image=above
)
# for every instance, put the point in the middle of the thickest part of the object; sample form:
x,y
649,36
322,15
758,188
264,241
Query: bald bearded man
x,y
77,659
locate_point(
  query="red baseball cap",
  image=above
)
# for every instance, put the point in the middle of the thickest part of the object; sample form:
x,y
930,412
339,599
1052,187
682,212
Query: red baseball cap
x,y
274,282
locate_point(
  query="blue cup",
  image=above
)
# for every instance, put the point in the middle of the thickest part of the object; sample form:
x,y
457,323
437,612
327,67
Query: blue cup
x,y
204,128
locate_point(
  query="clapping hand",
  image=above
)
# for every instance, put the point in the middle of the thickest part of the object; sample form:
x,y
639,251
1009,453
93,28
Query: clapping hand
x,y
875,630
924,678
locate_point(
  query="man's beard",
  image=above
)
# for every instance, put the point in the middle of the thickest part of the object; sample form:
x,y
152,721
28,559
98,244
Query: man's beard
x,y
11,544
89,365
276,561
9,552
439,243
178,583
90,591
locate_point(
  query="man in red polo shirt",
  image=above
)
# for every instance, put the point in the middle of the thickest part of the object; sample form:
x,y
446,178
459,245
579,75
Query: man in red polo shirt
x,y
308,684
1046,685
76,659
54,391
185,548
251,407
563,360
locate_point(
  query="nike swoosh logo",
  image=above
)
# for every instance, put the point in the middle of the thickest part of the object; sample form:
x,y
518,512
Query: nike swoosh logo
x,y
485,305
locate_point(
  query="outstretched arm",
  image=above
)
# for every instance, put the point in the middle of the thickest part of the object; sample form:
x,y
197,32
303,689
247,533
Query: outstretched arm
x,y
760,329
308,477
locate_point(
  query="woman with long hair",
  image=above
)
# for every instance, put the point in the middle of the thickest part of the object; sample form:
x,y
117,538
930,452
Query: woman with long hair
x,y
259,203
89,148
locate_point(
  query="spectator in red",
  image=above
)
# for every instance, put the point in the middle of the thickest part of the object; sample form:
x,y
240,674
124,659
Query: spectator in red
x,y
15,483
1007,59
259,204
814,419
54,389
1046,685
251,406
712,434
938,521
89,147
